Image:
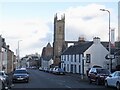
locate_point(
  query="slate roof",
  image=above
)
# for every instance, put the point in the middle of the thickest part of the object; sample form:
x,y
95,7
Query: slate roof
x,y
82,47
113,49
77,49
105,44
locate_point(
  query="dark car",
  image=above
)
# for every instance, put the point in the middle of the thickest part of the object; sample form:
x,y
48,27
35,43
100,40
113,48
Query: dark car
x,y
98,75
20,75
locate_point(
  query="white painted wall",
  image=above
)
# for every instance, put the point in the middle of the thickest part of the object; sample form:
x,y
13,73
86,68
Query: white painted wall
x,y
45,64
98,53
0,52
4,58
50,62
67,63
0,61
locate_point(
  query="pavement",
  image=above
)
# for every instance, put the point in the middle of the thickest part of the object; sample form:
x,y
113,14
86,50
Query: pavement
x,y
78,77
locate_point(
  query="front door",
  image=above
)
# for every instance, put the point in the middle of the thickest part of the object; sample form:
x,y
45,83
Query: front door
x,y
71,68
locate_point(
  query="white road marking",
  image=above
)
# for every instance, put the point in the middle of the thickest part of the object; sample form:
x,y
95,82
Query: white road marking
x,y
67,86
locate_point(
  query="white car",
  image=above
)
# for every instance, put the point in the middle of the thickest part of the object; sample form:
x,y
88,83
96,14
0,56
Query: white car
x,y
4,79
113,80
3,76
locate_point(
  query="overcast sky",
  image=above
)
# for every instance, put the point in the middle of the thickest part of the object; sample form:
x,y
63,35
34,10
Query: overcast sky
x,y
32,21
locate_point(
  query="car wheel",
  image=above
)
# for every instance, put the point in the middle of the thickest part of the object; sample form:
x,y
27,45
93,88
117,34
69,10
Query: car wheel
x,y
97,82
118,86
106,84
13,81
90,81
3,86
27,81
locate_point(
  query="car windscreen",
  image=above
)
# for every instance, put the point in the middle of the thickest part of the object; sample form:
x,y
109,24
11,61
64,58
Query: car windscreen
x,y
118,74
20,71
61,70
103,71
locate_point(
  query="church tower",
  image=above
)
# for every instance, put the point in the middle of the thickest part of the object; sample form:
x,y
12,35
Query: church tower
x,y
59,38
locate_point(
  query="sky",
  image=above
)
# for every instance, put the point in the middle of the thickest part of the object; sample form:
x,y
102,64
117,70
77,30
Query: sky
x,y
31,22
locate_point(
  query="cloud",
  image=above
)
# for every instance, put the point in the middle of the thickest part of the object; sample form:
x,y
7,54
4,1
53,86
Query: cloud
x,y
87,21
29,31
35,33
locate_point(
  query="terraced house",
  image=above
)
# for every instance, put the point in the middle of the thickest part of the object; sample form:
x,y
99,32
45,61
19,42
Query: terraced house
x,y
7,58
79,58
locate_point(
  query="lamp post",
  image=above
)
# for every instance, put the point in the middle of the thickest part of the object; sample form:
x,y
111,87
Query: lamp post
x,y
19,53
110,62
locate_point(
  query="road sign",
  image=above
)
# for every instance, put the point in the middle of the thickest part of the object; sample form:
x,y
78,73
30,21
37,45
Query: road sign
x,y
110,56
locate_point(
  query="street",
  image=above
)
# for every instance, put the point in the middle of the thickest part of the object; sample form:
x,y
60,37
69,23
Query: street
x,y
40,79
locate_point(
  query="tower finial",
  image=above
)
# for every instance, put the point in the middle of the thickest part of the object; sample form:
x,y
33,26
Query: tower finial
x,y
63,17
55,17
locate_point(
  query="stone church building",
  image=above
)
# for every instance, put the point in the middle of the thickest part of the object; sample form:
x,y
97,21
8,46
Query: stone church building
x,y
59,44
59,38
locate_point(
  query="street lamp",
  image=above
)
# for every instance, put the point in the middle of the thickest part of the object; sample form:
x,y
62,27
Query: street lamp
x,y
18,52
110,62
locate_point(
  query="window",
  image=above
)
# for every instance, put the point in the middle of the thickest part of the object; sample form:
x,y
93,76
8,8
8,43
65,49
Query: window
x,y
67,57
79,69
88,58
67,67
79,59
64,65
113,74
75,69
118,74
61,57
75,58
60,29
71,58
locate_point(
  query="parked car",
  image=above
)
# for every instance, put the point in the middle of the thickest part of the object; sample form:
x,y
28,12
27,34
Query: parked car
x,y
113,80
20,75
59,71
54,70
40,68
47,70
95,66
5,80
33,67
51,70
98,75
